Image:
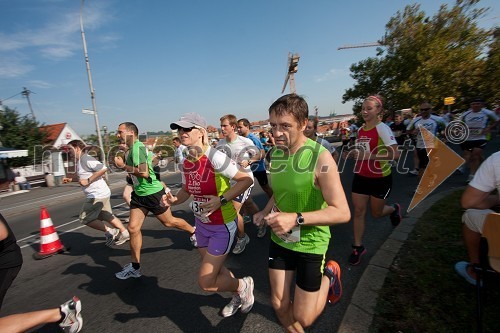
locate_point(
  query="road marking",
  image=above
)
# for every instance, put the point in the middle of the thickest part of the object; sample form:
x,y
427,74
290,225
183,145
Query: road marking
x,y
25,239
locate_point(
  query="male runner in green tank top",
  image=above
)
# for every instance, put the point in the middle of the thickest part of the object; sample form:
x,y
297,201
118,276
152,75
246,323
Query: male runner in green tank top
x,y
308,198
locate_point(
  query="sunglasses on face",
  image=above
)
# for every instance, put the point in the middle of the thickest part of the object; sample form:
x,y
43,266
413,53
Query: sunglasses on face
x,y
186,130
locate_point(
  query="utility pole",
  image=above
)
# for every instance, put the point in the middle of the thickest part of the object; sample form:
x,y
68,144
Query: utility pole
x,y
26,93
91,87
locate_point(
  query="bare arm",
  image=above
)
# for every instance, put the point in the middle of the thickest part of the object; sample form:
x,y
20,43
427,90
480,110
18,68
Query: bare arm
x,y
474,198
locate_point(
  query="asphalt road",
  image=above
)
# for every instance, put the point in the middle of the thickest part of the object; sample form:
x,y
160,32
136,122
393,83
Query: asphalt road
x,y
166,298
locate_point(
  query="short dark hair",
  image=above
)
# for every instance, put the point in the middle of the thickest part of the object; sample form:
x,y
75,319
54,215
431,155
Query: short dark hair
x,y
130,127
291,104
314,120
176,139
245,122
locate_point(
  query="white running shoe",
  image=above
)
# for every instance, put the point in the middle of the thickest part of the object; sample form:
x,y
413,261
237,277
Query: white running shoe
x,y
111,235
261,230
246,295
72,321
128,271
241,243
232,307
122,238
192,238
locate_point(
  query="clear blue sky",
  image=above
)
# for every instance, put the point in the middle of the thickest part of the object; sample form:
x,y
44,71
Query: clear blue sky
x,y
153,60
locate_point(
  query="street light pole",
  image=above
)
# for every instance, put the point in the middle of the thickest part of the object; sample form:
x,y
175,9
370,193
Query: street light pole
x,y
91,87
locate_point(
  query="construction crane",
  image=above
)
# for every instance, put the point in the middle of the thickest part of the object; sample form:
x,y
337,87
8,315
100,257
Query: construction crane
x,y
26,93
355,46
291,69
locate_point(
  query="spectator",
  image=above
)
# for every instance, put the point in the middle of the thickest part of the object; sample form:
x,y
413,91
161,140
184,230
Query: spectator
x,y
478,200
22,182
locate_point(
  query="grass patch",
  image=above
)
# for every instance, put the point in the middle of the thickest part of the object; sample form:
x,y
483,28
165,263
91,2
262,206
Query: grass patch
x,y
422,292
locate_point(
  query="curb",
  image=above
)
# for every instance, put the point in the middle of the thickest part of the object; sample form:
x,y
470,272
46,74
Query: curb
x,y
359,314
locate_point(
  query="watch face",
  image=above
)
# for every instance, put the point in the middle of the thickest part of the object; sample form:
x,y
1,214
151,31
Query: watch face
x,y
300,219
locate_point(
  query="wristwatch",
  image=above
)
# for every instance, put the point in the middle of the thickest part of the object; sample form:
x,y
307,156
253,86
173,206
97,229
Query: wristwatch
x,y
223,200
300,219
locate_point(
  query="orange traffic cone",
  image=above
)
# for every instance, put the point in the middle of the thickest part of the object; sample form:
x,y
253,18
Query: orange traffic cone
x,y
49,240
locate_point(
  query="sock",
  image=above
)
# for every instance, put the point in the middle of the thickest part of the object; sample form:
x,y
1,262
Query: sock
x,y
62,316
136,265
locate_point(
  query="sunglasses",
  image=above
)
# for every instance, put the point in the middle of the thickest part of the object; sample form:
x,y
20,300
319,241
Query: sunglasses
x,y
186,130
426,109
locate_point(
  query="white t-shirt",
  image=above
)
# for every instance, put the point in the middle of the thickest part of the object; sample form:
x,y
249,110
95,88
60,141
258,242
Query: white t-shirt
x,y
487,177
239,150
433,124
477,122
179,155
87,165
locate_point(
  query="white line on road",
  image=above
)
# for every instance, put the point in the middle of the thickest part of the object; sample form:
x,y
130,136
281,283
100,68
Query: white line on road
x,y
62,232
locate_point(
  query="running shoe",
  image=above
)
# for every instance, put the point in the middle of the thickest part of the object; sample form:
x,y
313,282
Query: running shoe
x,y
192,238
261,230
111,235
72,321
232,307
396,215
357,252
122,238
128,271
246,295
332,270
241,243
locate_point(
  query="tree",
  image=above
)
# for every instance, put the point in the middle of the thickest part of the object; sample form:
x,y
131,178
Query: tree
x,y
428,58
20,132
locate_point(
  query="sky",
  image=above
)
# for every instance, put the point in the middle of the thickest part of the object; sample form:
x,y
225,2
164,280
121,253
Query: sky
x,y
154,60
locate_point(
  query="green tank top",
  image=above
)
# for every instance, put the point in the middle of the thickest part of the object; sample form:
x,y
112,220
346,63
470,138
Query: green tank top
x,y
292,178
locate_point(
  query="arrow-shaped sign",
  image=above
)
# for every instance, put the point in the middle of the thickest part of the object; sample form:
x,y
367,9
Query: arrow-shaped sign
x,y
443,161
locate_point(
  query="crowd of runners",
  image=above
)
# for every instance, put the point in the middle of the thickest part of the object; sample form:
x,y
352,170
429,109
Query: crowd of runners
x,y
296,169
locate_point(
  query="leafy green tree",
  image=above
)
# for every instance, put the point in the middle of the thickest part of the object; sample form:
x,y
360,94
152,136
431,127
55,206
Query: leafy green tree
x,y
428,58
20,132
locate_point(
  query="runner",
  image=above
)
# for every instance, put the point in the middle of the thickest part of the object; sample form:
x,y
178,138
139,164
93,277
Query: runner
x,y
479,121
372,181
241,150
146,197
433,124
179,153
97,206
206,174
311,132
305,203
258,169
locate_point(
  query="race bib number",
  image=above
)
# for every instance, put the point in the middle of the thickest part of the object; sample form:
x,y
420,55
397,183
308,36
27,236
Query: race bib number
x,y
293,236
198,212
363,145
475,131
